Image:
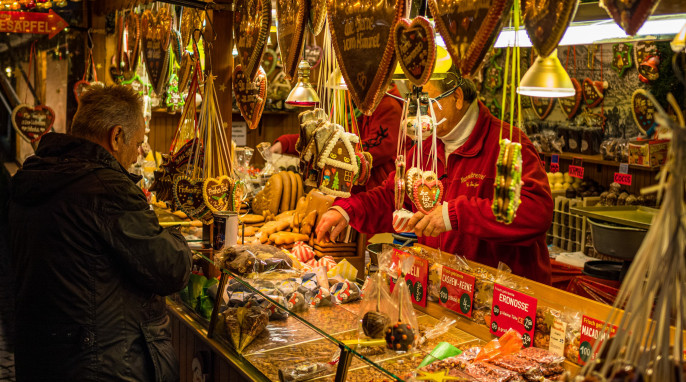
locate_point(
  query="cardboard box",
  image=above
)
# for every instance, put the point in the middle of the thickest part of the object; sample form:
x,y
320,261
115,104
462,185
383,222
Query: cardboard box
x,y
648,153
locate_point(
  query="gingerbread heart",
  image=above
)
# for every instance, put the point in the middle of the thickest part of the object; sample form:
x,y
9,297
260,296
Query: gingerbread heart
x,y
269,61
469,29
629,14
570,105
183,155
542,106
251,22
191,20
362,38
79,86
216,192
132,26
593,92
186,67
250,95
313,55
317,18
621,57
415,47
155,36
427,194
411,176
644,111
188,195
290,32
546,21
31,123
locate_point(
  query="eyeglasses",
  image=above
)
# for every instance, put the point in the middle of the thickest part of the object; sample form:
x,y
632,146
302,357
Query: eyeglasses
x,y
459,80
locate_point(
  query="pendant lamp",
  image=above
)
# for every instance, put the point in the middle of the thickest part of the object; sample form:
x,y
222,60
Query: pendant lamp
x,y
303,94
546,78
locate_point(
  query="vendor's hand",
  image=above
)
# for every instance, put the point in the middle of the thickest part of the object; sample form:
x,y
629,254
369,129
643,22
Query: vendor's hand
x,y
428,225
331,224
276,148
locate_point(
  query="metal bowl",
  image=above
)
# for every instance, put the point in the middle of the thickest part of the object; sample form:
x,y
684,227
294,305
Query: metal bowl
x,y
616,240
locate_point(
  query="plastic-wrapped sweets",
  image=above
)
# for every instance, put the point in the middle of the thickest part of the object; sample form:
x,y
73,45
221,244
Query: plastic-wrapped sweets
x,y
457,362
305,372
551,363
486,372
529,369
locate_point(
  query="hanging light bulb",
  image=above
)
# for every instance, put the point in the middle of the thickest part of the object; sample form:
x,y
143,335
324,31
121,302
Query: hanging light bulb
x,y
546,78
336,80
303,94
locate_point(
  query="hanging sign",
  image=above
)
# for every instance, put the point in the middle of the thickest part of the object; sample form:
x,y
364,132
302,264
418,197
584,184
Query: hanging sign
x,y
513,310
32,22
555,163
590,331
457,291
417,279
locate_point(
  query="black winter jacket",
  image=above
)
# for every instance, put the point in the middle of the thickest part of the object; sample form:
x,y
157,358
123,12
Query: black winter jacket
x,y
91,263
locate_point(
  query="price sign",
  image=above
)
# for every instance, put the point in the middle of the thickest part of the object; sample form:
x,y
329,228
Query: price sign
x,y
555,163
417,279
576,169
513,310
557,338
457,291
590,331
624,179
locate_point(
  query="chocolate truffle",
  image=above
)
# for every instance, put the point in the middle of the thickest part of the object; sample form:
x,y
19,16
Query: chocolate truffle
x,y
374,323
399,337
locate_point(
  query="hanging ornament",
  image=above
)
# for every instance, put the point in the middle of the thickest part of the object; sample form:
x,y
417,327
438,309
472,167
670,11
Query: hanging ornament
x,y
251,22
132,28
542,106
546,22
191,20
644,112
469,29
250,95
427,192
629,14
313,54
317,16
269,61
642,52
649,69
415,47
593,92
290,32
216,193
31,123
570,105
493,79
362,37
621,57
155,38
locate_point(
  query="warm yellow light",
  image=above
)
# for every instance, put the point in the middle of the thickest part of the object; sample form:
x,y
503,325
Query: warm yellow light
x,y
303,94
546,78
443,64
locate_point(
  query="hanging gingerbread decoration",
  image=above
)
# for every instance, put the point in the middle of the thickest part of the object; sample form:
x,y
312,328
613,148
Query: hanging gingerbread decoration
x,y
621,57
415,47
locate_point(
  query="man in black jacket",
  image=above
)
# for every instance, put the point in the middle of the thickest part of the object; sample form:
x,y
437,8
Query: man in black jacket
x,y
91,259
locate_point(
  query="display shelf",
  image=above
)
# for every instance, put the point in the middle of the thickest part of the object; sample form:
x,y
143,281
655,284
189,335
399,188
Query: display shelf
x,y
596,159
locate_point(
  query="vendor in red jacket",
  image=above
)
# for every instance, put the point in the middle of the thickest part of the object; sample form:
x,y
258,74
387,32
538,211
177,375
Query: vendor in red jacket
x,y
467,154
379,136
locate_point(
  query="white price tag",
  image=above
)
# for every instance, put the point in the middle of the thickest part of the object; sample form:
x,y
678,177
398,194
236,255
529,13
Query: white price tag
x,y
624,168
239,132
557,338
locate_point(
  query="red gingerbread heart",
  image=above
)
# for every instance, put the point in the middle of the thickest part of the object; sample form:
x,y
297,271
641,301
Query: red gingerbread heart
x,y
250,96
427,194
469,29
362,37
415,47
290,31
570,105
251,22
31,123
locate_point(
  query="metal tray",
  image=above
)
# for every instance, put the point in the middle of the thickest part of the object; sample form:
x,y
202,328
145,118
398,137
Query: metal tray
x,y
631,216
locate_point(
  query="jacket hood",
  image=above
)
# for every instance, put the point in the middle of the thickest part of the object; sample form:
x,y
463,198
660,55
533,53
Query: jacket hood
x,y
60,160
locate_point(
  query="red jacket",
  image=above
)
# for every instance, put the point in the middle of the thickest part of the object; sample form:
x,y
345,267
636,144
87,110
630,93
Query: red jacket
x,y
379,136
468,185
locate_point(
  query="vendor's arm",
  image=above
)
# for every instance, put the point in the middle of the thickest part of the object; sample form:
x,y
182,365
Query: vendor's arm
x,y
285,144
474,215
155,258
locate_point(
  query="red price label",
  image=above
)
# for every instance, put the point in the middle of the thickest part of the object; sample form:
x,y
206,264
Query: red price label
x,y
554,167
456,291
590,332
417,279
624,179
576,172
513,310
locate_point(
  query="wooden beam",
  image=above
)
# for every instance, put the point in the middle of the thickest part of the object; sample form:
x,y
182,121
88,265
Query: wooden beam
x,y
219,34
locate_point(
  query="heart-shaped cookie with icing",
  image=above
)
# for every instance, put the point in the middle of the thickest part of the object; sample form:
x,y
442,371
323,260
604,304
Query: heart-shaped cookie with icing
x,y
415,47
629,14
542,106
132,26
427,194
546,22
251,22
317,18
469,29
188,195
31,123
251,96
216,193
593,92
643,110
290,30
155,36
570,105
362,37
411,176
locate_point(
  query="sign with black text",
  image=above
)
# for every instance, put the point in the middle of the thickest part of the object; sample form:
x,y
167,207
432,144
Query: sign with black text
x,y
513,310
457,291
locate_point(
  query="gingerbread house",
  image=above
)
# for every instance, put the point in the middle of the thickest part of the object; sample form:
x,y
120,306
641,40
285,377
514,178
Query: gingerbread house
x,y
337,163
